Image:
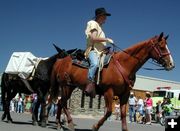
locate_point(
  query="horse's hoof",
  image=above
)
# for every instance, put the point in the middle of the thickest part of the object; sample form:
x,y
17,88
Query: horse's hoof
x,y
10,121
35,123
71,127
3,117
43,124
59,128
94,128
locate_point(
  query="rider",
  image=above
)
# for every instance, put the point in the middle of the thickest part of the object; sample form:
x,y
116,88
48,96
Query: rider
x,y
96,43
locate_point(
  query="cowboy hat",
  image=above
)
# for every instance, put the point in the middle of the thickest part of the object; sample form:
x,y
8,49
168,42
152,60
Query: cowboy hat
x,y
148,92
101,11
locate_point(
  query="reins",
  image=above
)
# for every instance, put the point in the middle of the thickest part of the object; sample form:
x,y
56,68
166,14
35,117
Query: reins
x,y
145,68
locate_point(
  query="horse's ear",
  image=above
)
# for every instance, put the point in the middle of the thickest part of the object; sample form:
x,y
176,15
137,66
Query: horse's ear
x,y
166,37
160,36
57,48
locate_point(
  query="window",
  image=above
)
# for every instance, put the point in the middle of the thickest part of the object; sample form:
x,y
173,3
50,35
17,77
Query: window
x,y
170,95
159,93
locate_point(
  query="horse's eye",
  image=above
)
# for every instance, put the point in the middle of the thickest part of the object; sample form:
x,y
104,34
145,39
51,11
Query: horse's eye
x,y
161,45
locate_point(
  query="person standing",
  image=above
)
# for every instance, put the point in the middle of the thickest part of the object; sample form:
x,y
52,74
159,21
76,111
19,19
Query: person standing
x,y
158,110
140,109
28,104
12,104
132,104
168,108
96,44
148,108
20,104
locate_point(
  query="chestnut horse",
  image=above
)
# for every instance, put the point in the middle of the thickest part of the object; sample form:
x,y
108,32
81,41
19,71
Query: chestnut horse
x,y
116,79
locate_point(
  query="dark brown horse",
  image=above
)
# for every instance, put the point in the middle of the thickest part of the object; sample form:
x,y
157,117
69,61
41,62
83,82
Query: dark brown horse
x,y
116,79
40,84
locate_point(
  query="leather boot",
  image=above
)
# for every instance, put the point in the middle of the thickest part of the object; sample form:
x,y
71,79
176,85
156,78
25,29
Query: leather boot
x,y
90,89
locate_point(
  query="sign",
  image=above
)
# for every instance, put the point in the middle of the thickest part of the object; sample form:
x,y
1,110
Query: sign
x,y
172,123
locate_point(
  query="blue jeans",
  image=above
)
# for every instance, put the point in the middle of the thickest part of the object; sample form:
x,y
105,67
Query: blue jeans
x,y
94,63
52,110
20,108
131,112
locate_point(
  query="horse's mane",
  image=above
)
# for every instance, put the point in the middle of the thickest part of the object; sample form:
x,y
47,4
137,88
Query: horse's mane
x,y
138,46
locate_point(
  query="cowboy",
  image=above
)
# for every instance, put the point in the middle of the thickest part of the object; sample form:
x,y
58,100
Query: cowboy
x,y
96,43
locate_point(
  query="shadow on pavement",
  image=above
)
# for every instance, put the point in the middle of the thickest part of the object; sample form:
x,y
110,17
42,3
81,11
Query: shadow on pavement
x,y
21,123
83,130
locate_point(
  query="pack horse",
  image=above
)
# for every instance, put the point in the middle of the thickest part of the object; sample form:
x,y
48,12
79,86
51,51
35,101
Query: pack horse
x,y
12,84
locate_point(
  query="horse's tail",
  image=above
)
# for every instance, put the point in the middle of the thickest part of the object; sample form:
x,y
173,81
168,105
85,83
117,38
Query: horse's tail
x,y
3,88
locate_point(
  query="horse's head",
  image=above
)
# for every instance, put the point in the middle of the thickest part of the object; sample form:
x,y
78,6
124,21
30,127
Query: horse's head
x,y
159,51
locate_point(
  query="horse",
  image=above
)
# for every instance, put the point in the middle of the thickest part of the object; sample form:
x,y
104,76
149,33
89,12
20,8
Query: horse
x,y
12,84
117,78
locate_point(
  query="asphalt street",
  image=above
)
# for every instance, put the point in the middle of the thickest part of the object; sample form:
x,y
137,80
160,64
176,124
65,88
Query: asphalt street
x,y
23,122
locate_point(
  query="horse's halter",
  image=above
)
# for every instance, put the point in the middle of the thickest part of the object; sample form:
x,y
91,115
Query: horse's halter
x,y
159,53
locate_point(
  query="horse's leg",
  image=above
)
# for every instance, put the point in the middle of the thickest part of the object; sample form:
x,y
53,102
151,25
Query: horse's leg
x,y
4,88
43,113
5,109
123,117
4,114
48,108
62,104
42,95
9,97
5,106
108,96
35,110
58,116
8,112
123,104
69,118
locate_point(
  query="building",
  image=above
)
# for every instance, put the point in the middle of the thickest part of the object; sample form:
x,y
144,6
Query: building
x,y
144,83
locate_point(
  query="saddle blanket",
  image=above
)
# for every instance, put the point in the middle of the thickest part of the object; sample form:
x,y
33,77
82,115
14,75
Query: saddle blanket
x,y
22,64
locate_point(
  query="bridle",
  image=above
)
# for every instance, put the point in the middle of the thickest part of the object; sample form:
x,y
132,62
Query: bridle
x,y
155,47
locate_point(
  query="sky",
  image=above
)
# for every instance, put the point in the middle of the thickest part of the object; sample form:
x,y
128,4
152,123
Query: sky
x,y
34,25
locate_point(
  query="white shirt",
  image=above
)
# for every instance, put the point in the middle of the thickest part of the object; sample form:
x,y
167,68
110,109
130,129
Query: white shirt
x,y
20,101
140,104
132,100
91,25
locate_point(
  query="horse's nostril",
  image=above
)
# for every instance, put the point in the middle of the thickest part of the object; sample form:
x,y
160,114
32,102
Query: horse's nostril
x,y
171,64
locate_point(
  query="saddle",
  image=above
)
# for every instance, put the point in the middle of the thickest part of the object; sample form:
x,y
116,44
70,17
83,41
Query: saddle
x,y
79,59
